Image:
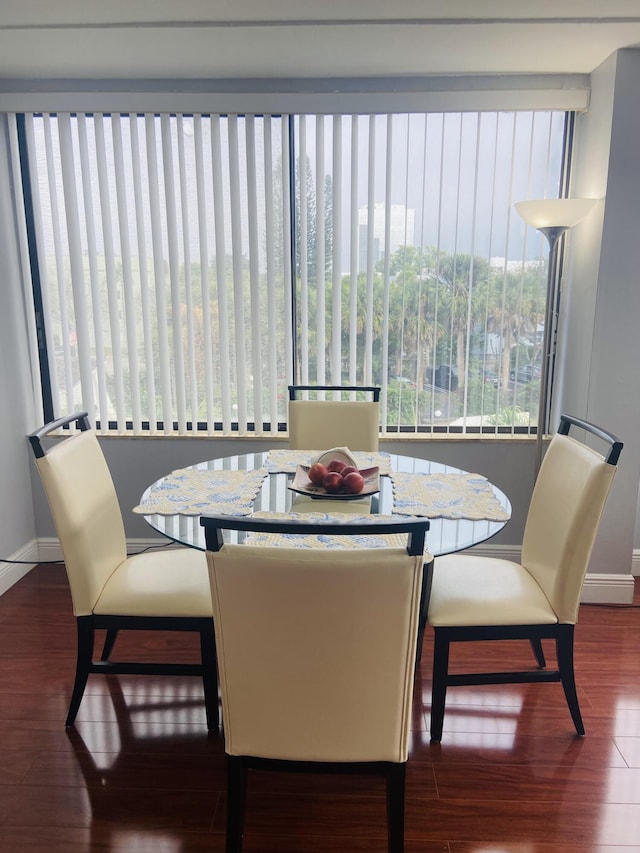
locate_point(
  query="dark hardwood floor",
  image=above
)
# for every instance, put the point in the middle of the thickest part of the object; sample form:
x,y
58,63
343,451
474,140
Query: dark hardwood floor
x,y
139,773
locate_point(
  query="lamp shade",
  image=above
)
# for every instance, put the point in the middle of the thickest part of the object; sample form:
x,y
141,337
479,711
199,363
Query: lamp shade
x,y
555,212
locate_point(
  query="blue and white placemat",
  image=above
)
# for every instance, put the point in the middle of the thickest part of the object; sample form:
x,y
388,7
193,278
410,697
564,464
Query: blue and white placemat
x,y
323,540
192,491
451,496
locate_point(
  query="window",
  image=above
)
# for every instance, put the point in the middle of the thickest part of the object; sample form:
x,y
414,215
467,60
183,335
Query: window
x,y
163,299
190,267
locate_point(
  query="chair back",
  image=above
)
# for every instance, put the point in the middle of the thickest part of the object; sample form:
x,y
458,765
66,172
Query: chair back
x,y
316,649
86,513
320,424
566,506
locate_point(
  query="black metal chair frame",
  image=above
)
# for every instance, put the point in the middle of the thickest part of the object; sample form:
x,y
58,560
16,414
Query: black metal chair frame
x,y
374,390
561,634
239,765
87,626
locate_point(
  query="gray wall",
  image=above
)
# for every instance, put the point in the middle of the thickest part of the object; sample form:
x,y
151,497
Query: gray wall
x,y
601,344
17,528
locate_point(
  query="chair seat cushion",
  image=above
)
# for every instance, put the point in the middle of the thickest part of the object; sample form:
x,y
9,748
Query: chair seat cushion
x,y
174,582
469,591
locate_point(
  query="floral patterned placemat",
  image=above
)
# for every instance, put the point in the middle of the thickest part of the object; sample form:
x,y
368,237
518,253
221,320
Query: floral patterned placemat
x,y
453,496
286,461
323,540
191,491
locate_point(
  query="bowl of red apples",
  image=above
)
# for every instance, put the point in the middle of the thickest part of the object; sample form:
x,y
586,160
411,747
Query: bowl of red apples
x,y
335,474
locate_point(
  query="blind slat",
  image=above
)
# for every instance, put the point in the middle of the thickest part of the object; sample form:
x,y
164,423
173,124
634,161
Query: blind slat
x,y
147,376
256,307
271,295
80,329
191,391
353,254
109,250
336,260
93,297
172,242
221,283
371,196
237,262
320,272
130,300
302,240
154,184
204,226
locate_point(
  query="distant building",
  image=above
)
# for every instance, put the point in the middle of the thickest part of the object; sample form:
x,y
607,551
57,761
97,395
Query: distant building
x,y
498,263
402,230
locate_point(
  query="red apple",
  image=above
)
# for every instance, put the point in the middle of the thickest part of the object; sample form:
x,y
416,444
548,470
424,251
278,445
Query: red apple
x,y
336,466
333,482
348,470
353,483
317,473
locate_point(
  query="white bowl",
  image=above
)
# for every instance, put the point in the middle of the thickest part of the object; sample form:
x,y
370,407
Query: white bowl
x,y
341,453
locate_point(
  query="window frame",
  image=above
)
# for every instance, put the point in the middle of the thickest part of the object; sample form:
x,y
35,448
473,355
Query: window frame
x,y
201,427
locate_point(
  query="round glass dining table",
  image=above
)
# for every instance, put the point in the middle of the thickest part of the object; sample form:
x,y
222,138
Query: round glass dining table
x,y
445,535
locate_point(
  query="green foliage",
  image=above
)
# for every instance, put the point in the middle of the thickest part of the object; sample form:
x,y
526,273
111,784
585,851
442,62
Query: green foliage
x,y
404,405
509,416
434,309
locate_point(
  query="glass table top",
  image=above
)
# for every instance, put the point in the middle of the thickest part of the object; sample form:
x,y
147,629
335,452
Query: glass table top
x,y
445,535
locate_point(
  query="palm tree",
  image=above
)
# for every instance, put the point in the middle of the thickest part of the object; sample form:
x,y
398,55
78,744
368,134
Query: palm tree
x,y
514,307
412,321
461,277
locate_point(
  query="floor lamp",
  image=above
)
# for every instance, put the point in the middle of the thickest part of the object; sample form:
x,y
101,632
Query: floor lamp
x,y
552,217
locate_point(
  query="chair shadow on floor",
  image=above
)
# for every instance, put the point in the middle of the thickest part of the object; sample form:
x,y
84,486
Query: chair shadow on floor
x,y
505,732
151,738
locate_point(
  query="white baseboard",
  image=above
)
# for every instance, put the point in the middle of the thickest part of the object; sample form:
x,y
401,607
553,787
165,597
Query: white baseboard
x,y
500,552
10,573
607,589
49,548
597,589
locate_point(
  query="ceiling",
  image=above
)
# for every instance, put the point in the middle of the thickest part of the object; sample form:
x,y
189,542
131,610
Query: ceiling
x,y
307,38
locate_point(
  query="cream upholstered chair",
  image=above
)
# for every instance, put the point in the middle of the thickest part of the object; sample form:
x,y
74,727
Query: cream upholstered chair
x,y
321,424
316,651
481,598
158,590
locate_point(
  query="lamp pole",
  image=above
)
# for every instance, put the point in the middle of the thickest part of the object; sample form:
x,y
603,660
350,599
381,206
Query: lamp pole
x,y
551,217
553,233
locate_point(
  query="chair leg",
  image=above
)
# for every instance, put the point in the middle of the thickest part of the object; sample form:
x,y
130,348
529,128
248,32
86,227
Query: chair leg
x,y
236,797
536,647
564,652
396,774
109,643
210,676
425,593
86,634
439,684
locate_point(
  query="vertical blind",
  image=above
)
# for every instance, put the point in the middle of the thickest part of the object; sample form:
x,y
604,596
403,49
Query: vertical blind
x,y
192,266
413,271
162,265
